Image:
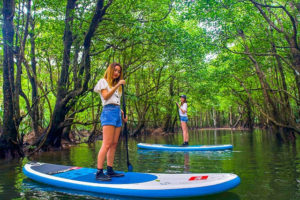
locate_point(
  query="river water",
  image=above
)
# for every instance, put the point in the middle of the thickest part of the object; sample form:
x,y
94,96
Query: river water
x,y
268,168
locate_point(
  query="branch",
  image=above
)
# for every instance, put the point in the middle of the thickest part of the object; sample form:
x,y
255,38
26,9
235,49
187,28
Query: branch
x,y
115,47
258,5
29,108
99,52
156,87
263,54
44,137
50,74
81,110
67,124
273,90
158,20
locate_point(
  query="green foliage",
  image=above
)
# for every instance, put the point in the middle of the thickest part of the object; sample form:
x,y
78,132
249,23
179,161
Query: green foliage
x,y
167,48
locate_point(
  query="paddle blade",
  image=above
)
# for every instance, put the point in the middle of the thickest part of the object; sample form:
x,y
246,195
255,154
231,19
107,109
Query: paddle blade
x,y
130,167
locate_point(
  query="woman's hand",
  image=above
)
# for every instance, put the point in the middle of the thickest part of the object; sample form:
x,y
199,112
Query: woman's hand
x,y
178,105
124,119
121,82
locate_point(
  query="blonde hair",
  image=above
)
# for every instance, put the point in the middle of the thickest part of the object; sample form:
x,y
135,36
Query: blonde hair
x,y
108,75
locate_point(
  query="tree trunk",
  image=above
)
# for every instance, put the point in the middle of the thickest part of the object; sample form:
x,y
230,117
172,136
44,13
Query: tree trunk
x,y
36,121
297,78
67,99
286,108
290,34
296,63
9,145
230,116
270,105
93,134
170,107
60,110
249,119
214,117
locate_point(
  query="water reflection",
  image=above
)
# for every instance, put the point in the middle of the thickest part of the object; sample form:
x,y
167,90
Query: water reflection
x,y
268,169
182,161
33,189
186,168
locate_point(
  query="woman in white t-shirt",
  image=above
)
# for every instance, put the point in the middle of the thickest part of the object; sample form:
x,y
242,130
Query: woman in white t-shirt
x,y
110,90
183,119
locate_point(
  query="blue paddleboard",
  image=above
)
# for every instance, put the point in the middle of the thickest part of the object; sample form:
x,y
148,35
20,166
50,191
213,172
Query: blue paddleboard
x,y
185,148
134,184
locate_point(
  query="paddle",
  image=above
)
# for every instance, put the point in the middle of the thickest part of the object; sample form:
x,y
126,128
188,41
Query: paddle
x,y
178,111
125,132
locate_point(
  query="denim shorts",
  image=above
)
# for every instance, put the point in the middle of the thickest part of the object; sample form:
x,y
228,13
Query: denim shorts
x,y
111,115
184,118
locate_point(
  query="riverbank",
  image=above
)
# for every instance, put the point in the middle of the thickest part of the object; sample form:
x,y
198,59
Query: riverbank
x,y
77,137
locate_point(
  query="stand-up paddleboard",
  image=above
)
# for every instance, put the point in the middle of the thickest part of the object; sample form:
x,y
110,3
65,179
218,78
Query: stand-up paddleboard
x,y
133,183
185,148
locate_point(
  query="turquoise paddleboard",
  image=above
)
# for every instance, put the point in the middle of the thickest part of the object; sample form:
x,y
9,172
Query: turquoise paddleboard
x,y
134,184
185,148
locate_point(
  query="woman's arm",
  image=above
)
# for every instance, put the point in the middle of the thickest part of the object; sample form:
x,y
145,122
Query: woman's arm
x,y
182,110
106,95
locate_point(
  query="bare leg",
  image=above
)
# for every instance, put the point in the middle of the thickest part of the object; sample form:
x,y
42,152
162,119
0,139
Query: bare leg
x,y
112,150
108,137
185,131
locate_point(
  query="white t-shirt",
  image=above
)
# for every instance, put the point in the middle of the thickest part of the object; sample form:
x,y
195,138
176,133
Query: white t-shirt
x,y
184,107
114,99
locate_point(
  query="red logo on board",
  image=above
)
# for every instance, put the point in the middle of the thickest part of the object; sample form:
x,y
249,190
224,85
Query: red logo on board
x,y
198,178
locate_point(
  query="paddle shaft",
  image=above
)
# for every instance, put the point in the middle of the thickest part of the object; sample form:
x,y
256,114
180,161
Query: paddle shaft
x,y
178,112
125,131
